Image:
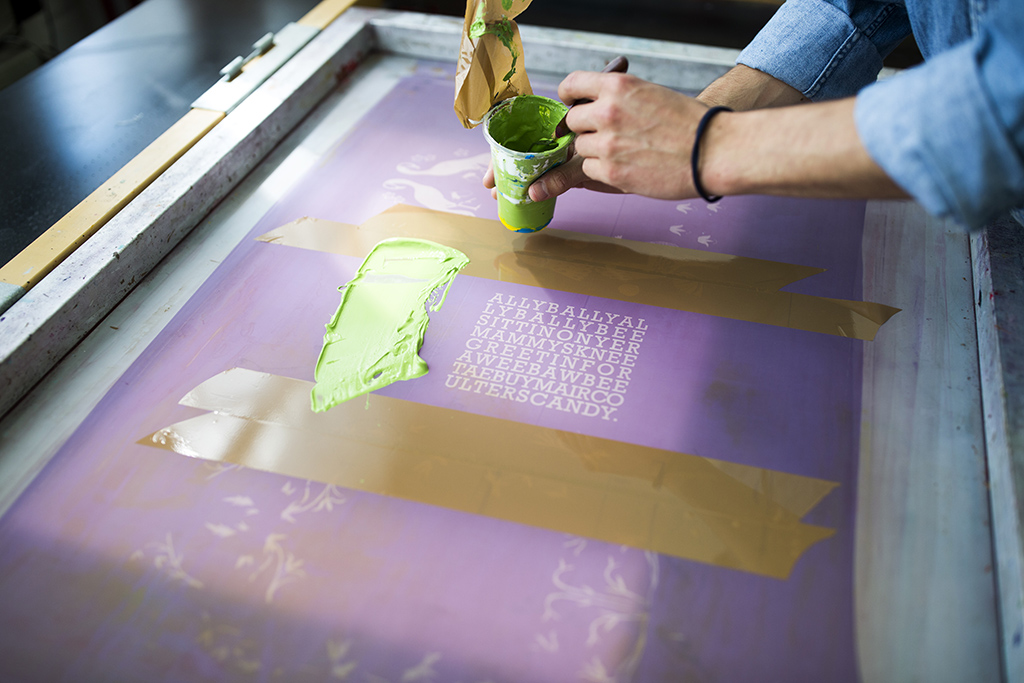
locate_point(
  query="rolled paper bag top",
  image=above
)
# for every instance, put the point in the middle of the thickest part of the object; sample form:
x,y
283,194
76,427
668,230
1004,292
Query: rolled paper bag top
x,y
490,67
520,133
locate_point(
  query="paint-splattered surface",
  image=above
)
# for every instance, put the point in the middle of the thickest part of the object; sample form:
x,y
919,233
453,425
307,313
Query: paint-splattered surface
x,y
124,561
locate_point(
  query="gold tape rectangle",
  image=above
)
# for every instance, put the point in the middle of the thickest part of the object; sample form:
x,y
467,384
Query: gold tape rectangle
x,y
720,513
324,13
657,275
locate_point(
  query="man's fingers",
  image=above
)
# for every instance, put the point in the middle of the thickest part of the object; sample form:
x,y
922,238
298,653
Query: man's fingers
x,y
558,180
580,85
597,176
592,145
580,118
489,176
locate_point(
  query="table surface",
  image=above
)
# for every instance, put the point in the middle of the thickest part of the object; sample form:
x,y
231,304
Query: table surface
x,y
69,125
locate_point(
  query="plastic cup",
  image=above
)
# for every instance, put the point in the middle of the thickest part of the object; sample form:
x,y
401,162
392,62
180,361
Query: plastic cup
x,y
519,132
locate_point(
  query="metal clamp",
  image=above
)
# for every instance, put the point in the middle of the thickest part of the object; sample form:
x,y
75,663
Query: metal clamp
x,y
244,74
235,66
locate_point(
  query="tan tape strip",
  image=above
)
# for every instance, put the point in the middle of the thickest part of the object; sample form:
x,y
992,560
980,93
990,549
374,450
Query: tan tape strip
x,y
325,12
670,277
64,236
707,510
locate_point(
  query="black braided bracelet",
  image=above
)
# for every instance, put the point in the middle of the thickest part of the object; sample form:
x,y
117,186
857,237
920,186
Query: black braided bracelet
x,y
695,155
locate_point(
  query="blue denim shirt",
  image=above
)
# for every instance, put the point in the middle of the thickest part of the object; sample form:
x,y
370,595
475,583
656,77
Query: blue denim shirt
x,y
949,131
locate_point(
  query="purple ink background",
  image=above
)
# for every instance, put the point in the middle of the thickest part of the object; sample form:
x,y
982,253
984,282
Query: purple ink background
x,y
117,562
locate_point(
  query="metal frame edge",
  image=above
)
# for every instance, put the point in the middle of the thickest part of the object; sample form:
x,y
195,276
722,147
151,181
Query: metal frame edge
x,y
676,65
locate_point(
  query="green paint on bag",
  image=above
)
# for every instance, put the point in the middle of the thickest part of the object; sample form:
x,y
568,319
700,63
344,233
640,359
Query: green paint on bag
x,y
503,29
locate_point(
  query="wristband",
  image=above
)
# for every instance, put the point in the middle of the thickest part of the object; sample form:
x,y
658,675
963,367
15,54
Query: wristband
x,y
695,155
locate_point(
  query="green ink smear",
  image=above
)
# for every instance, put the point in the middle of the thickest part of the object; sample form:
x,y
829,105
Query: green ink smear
x,y
375,336
503,29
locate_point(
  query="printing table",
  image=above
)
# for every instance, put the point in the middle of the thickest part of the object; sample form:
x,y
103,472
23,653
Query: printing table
x,y
789,481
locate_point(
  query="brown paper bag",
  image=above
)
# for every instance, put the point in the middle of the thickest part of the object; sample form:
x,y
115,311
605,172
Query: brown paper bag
x,y
491,65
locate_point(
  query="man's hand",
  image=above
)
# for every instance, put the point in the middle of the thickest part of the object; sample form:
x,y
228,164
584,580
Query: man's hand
x,y
741,88
637,137
570,175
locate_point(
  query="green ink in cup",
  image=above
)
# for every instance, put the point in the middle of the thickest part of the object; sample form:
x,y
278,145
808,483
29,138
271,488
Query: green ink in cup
x,y
519,131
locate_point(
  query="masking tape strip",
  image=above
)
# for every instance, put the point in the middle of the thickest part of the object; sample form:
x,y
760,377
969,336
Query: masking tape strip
x,y
720,513
325,13
670,277
63,237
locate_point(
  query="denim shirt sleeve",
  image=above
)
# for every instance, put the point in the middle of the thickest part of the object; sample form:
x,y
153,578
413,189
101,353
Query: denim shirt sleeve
x,y
951,131
827,49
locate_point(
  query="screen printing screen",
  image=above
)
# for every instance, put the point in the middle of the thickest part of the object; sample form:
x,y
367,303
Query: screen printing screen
x,y
634,456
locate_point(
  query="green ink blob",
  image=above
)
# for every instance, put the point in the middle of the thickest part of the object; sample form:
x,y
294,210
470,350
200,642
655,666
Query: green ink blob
x,y
478,27
375,336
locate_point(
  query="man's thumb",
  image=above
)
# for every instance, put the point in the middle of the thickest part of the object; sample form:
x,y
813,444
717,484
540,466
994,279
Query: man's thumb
x,y
558,180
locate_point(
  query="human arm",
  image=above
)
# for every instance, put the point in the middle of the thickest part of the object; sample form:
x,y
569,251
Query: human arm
x,y
950,131
953,128
637,137
741,88
796,151
814,45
